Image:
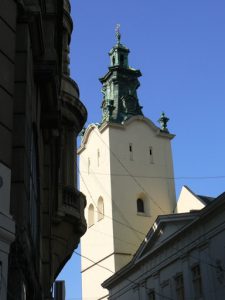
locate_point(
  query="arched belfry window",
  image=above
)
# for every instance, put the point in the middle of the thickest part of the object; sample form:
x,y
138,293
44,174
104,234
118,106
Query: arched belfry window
x,y
100,208
113,60
91,215
140,206
121,60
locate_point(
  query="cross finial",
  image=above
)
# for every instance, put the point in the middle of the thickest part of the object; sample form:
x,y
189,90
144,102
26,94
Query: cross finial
x,y
118,35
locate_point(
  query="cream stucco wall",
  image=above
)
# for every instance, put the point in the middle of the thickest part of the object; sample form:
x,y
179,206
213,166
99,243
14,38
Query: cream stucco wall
x,y
188,201
139,176
97,243
120,178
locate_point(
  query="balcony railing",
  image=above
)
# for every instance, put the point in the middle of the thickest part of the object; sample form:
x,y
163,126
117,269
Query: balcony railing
x,y
73,205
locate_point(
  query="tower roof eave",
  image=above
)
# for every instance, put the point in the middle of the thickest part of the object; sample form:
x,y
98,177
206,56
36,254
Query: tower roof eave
x,y
141,118
105,125
120,47
119,68
84,140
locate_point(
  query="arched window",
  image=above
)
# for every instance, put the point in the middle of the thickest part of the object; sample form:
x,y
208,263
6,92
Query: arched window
x,y
90,215
140,206
121,60
113,60
100,209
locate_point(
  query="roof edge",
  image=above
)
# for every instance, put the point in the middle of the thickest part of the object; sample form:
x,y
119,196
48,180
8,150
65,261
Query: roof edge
x,y
122,126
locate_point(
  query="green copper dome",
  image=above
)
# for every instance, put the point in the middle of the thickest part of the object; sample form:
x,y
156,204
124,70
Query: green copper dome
x,y
119,86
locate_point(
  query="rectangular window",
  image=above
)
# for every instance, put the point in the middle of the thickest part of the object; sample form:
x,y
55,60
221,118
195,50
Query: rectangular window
x,y
131,151
151,295
150,155
179,285
197,282
98,157
89,164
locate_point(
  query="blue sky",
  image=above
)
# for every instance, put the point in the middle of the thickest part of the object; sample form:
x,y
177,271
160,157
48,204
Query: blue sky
x,y
179,46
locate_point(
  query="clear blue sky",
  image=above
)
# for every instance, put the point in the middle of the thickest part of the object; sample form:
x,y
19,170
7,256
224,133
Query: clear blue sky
x,y
179,46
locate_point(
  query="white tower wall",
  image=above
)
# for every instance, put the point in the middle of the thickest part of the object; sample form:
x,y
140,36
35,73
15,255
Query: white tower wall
x,y
139,175
110,170
97,245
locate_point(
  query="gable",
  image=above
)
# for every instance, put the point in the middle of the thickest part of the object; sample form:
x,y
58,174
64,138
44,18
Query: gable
x,y
188,201
162,230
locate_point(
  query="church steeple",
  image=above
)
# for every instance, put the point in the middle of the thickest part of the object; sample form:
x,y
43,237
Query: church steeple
x,y
120,208
120,84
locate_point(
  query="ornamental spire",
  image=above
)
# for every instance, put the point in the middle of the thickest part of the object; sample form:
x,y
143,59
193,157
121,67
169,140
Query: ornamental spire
x,y
119,86
163,120
118,34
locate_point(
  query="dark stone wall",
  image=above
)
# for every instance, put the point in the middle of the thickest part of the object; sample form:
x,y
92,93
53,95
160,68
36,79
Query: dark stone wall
x,y
40,118
7,63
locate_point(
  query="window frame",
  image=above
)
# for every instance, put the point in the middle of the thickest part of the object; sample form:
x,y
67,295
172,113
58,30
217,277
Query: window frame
x,y
179,286
151,294
197,281
140,204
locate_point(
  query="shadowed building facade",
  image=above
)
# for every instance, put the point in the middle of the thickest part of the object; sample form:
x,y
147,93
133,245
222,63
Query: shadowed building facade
x,y
182,257
40,118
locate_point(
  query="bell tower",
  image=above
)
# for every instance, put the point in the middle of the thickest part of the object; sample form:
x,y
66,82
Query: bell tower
x,y
126,173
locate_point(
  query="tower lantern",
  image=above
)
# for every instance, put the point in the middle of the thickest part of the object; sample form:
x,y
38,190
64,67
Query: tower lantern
x,y
120,85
